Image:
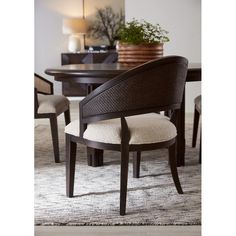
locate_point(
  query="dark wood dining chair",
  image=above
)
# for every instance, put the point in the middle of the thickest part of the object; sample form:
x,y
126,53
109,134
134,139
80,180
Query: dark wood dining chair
x,y
47,105
197,114
122,115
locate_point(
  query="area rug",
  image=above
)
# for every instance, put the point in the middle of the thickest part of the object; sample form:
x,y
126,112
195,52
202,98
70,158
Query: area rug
x,y
152,199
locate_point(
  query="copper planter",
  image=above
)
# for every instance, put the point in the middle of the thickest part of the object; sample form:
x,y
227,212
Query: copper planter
x,y
132,55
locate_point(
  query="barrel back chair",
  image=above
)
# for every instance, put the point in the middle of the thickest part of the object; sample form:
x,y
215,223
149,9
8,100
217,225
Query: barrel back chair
x,y
47,105
122,115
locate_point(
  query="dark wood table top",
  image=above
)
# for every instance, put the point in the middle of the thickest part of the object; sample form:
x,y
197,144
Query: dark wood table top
x,y
100,73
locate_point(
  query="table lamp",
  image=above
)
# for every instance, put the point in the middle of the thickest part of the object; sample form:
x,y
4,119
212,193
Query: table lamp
x,y
76,28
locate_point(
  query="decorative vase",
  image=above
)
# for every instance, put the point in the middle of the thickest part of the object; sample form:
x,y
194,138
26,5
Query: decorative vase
x,y
133,55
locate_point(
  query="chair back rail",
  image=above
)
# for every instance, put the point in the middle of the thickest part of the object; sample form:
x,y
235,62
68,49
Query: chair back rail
x,y
154,86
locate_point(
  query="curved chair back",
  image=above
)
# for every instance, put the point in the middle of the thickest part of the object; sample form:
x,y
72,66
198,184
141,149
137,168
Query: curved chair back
x,y
155,86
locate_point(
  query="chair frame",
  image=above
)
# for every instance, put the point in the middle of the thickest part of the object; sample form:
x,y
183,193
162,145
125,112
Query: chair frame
x,y
52,117
98,106
197,114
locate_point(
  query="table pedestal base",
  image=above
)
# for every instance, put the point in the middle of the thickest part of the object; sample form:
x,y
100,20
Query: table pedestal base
x,y
94,157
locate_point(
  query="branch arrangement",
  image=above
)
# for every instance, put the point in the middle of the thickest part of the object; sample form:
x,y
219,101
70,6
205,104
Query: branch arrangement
x,y
106,25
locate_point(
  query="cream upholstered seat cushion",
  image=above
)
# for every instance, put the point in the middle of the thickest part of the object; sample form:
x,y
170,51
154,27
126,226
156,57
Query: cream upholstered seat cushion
x,y
144,129
52,104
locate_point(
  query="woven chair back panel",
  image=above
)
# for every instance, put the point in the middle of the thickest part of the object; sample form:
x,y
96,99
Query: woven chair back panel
x,y
42,86
147,89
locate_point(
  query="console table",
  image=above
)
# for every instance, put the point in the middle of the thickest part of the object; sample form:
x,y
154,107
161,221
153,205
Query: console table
x,y
69,89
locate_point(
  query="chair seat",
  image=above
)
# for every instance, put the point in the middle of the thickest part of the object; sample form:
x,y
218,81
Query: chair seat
x,y
144,129
197,102
52,104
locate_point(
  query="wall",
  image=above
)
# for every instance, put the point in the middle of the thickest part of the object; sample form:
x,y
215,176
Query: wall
x,y
49,40
182,18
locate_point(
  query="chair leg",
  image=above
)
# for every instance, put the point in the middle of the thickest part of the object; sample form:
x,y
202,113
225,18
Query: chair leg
x,y
67,116
55,142
124,178
195,127
70,165
200,150
173,167
136,164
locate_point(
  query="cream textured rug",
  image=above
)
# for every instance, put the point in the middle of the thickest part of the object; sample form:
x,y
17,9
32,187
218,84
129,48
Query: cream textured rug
x,y
151,200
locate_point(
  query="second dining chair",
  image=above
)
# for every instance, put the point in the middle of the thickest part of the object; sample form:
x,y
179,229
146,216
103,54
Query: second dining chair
x,y
122,115
48,105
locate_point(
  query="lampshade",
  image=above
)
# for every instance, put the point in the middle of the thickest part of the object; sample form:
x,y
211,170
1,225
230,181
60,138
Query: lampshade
x,y
74,26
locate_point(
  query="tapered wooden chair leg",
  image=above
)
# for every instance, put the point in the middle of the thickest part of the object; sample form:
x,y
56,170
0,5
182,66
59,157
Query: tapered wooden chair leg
x,y
124,179
67,116
55,142
195,126
70,165
173,167
136,164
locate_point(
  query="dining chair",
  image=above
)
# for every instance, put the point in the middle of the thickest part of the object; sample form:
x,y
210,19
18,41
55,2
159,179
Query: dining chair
x,y
197,113
122,115
48,105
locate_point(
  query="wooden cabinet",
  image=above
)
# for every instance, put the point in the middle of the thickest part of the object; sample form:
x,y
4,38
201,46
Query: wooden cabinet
x,y
75,89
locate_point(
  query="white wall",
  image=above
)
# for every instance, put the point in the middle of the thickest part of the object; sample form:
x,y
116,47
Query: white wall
x,y
182,18
49,40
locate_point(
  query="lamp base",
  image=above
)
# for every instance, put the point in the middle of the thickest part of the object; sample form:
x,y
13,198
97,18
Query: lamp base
x,y
82,47
74,43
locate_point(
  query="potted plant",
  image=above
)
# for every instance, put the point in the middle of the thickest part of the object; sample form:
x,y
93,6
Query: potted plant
x,y
140,41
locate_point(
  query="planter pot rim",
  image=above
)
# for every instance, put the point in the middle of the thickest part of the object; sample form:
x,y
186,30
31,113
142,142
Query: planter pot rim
x,y
141,44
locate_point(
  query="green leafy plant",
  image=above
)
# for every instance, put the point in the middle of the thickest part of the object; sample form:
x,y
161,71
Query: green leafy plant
x,y
138,32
